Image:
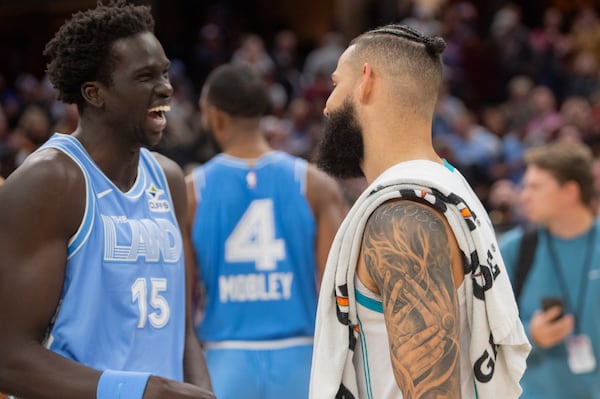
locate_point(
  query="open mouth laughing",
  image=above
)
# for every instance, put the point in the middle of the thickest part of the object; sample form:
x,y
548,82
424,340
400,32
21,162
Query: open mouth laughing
x,y
157,116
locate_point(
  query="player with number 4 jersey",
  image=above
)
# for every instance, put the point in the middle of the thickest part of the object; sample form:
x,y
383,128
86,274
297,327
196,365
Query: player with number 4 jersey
x,y
261,224
254,233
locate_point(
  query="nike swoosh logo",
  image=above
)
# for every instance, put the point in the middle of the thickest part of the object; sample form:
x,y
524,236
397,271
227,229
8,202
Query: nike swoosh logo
x,y
104,193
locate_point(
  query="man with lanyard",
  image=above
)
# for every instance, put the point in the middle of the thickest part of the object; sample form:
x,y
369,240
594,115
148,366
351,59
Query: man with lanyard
x,y
559,296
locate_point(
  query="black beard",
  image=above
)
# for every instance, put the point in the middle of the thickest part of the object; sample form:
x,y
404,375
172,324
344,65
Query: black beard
x,y
340,150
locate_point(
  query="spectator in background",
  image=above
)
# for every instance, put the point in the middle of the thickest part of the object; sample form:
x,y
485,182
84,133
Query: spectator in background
x,y
550,46
321,61
582,78
475,150
285,55
210,50
545,119
585,32
252,52
33,129
509,162
503,206
509,43
303,129
558,197
578,112
517,106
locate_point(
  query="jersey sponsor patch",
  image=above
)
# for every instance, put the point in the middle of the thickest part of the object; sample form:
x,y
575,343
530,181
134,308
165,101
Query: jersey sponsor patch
x,y
155,202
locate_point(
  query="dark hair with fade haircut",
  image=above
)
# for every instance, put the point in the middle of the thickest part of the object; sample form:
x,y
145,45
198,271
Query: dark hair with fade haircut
x,y
81,50
238,90
402,50
567,161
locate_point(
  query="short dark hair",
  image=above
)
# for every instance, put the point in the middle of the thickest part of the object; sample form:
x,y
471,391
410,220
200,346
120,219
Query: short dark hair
x,y
238,90
408,57
81,50
566,161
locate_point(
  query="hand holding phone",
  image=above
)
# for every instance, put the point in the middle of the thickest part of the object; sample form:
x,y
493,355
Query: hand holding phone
x,y
548,302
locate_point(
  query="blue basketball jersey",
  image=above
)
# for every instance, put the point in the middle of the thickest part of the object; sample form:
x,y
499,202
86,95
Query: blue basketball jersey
x,y
254,234
123,300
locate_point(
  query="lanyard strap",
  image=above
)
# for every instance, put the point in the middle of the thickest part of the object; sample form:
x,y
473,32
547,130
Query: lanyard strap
x,y
583,285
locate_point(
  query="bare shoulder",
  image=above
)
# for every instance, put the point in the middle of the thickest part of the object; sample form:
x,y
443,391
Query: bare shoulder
x,y
322,188
47,183
319,179
50,165
406,236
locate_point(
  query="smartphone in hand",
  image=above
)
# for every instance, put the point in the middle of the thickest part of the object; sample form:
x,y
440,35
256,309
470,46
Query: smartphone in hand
x,y
548,302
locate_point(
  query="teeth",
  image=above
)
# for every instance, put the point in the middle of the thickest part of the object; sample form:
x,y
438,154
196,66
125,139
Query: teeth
x,y
160,108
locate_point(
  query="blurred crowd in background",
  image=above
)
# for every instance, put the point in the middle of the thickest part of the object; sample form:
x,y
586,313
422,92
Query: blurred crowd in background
x,y
509,86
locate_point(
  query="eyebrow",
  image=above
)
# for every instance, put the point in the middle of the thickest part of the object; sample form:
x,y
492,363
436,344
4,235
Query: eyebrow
x,y
148,67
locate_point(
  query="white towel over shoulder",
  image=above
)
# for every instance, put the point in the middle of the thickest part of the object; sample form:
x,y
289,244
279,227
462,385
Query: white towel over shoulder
x,y
498,347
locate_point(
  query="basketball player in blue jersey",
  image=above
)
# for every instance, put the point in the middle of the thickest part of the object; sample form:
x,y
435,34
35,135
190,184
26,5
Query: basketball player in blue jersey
x,y
261,223
92,272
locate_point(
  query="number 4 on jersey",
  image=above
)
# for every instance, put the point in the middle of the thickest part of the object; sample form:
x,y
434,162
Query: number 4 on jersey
x,y
253,239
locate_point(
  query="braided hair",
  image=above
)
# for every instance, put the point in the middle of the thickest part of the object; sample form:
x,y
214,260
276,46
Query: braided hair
x,y
434,45
81,50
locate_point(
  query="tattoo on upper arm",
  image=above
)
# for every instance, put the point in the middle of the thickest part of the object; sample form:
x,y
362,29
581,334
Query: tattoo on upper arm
x,y
406,251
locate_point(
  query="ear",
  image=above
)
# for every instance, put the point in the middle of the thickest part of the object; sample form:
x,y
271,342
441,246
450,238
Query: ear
x,y
219,122
573,192
365,88
92,94
216,118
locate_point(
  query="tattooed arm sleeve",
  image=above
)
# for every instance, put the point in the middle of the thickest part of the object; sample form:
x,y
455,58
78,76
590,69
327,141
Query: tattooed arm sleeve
x,y
406,251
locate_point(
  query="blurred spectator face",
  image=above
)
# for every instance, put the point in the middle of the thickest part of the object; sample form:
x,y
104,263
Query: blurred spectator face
x,y
495,121
274,131
542,196
35,124
300,111
520,87
505,21
543,99
578,112
462,124
503,193
553,18
585,64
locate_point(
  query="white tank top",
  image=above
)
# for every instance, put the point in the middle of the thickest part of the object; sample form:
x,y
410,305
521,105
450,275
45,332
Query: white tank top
x,y
372,359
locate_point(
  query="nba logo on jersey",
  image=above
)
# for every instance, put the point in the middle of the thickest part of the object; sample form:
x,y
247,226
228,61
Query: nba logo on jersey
x,y
155,203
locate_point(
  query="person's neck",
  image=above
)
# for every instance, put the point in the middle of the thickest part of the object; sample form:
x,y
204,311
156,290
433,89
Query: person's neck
x,y
116,160
572,224
247,145
388,147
